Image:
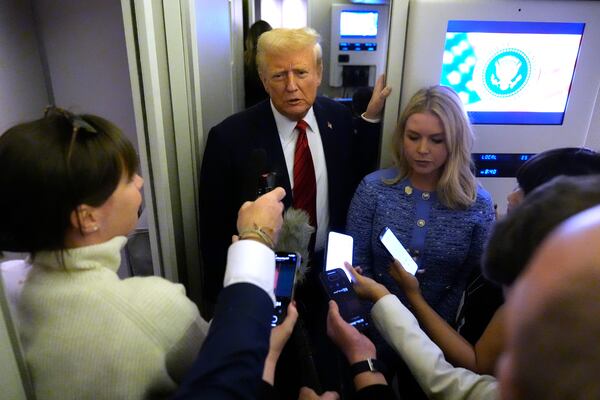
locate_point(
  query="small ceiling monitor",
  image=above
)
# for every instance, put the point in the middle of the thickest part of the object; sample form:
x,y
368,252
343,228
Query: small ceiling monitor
x,y
512,72
358,24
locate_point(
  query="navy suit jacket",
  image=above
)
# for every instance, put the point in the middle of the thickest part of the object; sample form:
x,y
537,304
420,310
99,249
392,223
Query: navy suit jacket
x,y
232,357
228,177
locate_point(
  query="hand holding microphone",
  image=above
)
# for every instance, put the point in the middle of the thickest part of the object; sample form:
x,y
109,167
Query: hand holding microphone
x,y
258,179
266,183
261,220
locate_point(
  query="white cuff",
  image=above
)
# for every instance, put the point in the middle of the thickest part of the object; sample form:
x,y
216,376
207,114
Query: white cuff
x,y
373,121
251,262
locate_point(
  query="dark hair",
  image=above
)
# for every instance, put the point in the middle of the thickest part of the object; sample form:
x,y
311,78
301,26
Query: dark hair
x,y
49,167
571,161
514,238
257,29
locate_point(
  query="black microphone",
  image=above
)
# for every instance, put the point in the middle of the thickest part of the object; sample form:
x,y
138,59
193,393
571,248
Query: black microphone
x,y
256,166
266,183
260,181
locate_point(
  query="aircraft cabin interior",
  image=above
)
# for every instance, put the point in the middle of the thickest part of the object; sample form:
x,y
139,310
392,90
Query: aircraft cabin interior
x,y
167,71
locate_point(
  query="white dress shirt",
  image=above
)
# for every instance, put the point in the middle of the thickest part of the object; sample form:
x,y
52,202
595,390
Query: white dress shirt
x,y
288,134
438,378
249,261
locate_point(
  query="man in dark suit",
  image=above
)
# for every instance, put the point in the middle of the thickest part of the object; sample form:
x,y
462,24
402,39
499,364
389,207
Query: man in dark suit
x,y
264,137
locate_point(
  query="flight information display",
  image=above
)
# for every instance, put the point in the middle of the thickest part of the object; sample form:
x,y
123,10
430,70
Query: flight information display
x,y
499,165
348,46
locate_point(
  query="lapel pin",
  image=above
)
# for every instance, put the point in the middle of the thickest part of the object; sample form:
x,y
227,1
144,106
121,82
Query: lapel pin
x,y
329,125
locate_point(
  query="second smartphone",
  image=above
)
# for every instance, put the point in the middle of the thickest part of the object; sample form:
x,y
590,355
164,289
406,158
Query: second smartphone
x,y
397,250
339,289
286,264
339,250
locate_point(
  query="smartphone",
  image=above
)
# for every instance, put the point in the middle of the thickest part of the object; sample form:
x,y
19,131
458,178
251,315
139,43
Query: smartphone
x,y
396,250
340,289
339,250
286,264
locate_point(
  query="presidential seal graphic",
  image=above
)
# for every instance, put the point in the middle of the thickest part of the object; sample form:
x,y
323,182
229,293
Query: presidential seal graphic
x,y
507,72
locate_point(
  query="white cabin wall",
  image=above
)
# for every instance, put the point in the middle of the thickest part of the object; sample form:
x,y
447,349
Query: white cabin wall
x,y
592,139
220,52
319,18
84,42
23,96
11,382
23,93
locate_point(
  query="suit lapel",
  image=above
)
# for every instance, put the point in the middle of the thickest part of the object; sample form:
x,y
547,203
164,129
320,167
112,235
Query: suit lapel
x,y
327,130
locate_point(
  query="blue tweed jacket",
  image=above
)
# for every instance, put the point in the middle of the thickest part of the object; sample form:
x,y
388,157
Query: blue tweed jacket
x,y
447,243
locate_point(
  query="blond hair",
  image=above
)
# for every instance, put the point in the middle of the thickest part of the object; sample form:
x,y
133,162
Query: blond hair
x,y
457,187
285,40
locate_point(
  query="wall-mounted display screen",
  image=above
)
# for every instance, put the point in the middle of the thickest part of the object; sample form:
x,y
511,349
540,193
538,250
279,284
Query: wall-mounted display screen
x,y
358,23
512,72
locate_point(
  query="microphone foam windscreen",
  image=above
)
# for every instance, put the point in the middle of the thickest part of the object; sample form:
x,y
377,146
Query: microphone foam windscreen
x,y
295,236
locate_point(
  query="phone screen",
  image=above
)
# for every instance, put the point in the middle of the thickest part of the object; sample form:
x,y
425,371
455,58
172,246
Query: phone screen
x,y
285,275
396,250
340,290
339,250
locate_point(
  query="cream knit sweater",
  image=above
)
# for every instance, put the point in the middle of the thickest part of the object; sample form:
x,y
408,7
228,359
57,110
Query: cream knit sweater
x,y
89,335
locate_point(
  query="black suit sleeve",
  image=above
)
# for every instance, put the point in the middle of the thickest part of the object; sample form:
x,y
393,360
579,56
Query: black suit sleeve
x,y
351,147
381,392
217,212
231,360
367,139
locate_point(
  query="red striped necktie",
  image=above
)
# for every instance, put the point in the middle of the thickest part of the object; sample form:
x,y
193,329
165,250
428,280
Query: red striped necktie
x,y
305,184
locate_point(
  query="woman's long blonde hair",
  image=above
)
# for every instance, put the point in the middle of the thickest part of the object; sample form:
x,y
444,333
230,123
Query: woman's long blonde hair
x,y
457,187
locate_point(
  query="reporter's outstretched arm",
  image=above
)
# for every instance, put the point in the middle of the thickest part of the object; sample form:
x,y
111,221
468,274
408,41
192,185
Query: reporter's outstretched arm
x,y
231,360
457,350
399,327
358,349
438,378
279,337
253,260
